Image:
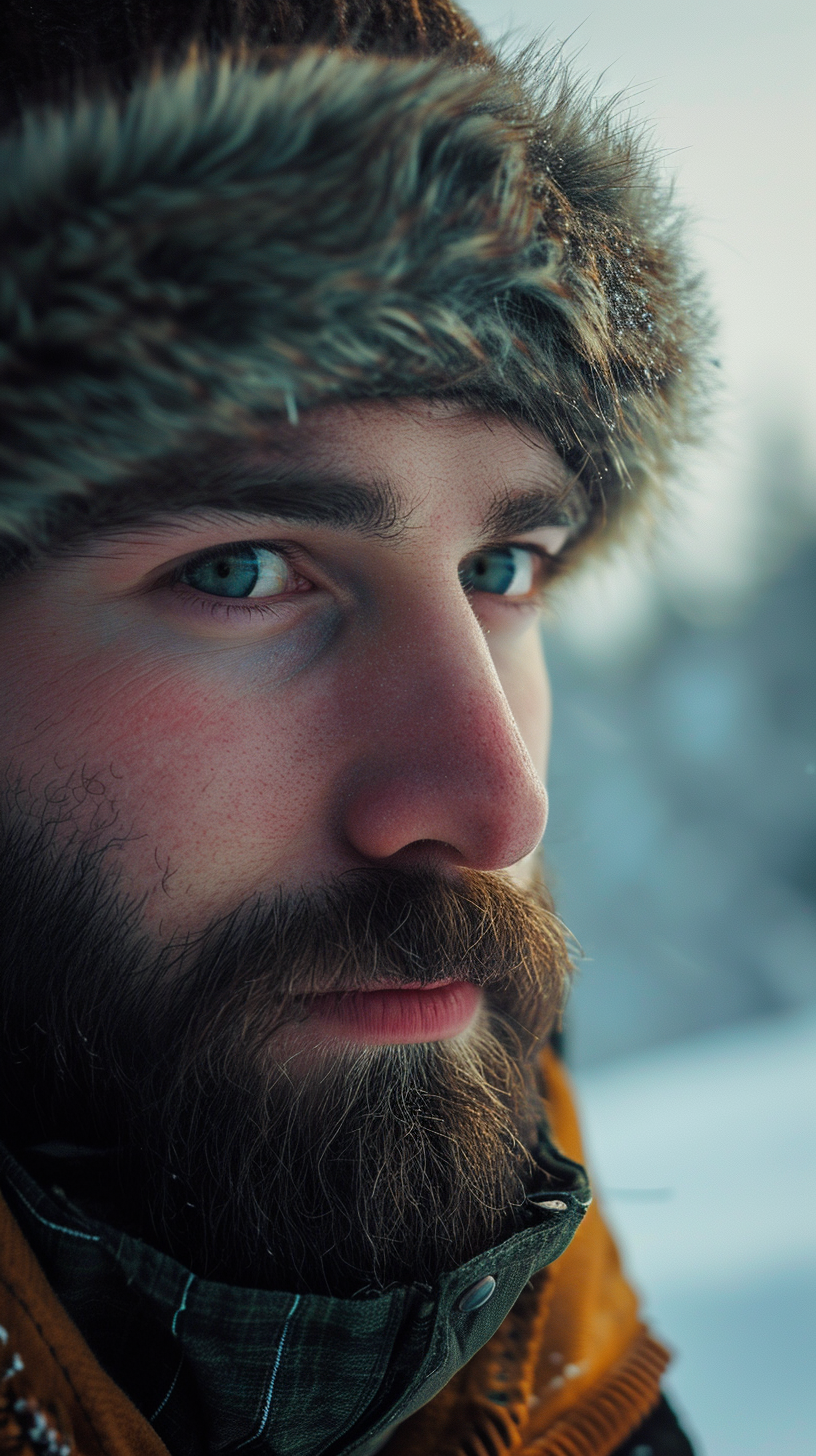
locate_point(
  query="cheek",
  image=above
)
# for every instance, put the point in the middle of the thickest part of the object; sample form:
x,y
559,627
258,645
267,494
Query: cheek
x,y
199,781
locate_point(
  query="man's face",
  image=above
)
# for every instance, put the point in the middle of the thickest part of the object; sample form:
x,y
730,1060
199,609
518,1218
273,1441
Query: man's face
x,y
257,698
359,708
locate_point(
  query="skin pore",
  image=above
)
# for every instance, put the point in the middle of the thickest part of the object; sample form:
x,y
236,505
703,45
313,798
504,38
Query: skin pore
x,y
274,787
372,713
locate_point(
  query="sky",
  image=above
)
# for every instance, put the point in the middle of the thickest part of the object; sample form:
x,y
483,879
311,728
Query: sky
x,y
728,93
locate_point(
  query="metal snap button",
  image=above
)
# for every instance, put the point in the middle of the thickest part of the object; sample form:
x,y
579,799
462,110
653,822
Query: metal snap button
x,y
477,1295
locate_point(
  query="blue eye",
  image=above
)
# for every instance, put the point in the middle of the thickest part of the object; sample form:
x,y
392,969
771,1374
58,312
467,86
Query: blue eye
x,y
504,571
238,571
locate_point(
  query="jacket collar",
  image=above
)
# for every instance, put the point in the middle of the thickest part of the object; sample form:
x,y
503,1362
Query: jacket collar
x,y
231,1369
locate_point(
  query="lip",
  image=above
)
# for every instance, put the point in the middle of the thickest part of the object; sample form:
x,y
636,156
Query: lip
x,y
382,1016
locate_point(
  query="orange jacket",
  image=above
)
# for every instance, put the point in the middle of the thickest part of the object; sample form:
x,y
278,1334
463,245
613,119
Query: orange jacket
x,y
572,1371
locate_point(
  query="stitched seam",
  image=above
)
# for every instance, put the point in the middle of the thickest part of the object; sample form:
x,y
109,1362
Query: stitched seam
x,y
160,1408
12,1289
182,1306
173,1382
265,1416
59,1228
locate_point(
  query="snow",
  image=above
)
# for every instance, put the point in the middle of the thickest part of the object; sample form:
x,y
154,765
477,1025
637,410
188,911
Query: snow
x,y
704,1156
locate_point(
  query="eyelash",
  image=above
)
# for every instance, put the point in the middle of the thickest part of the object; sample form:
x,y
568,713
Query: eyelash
x,y
548,565
245,607
224,607
253,608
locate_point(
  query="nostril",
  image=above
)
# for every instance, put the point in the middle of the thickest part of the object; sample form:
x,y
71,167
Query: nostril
x,y
460,788
429,854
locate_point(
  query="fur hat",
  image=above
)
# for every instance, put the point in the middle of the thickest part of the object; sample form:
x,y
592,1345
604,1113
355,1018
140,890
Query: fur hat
x,y
220,220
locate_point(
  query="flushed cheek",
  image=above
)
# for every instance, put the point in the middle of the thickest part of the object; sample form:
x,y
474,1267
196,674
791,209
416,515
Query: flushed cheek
x,y
197,780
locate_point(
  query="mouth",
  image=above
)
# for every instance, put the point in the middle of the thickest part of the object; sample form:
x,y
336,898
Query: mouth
x,y
382,1016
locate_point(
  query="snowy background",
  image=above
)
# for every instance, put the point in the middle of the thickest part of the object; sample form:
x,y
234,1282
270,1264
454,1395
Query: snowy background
x,y
682,838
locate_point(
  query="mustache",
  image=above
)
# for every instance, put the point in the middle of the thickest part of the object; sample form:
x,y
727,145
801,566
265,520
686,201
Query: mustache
x,y
391,926
382,1164
262,963
382,1161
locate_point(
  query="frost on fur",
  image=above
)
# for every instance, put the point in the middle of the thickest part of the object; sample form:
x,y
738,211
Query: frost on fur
x,y
234,242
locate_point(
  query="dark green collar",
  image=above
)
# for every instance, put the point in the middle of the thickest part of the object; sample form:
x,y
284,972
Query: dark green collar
x,y
221,1369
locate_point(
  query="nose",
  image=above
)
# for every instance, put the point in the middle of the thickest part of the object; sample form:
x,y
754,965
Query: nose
x,y
440,768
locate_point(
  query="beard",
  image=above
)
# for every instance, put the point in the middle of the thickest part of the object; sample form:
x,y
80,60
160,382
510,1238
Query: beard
x,y
343,1173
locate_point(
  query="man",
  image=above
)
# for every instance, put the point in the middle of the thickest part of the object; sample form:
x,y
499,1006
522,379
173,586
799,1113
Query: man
x,y
320,362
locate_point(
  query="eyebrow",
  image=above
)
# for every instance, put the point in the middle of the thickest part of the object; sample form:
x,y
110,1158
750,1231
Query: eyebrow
x,y
231,487
532,509
310,495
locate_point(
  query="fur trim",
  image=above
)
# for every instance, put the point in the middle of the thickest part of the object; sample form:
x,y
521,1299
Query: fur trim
x,y
235,240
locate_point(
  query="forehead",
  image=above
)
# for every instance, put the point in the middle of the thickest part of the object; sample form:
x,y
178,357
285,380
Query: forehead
x,y
432,459
415,441
371,467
